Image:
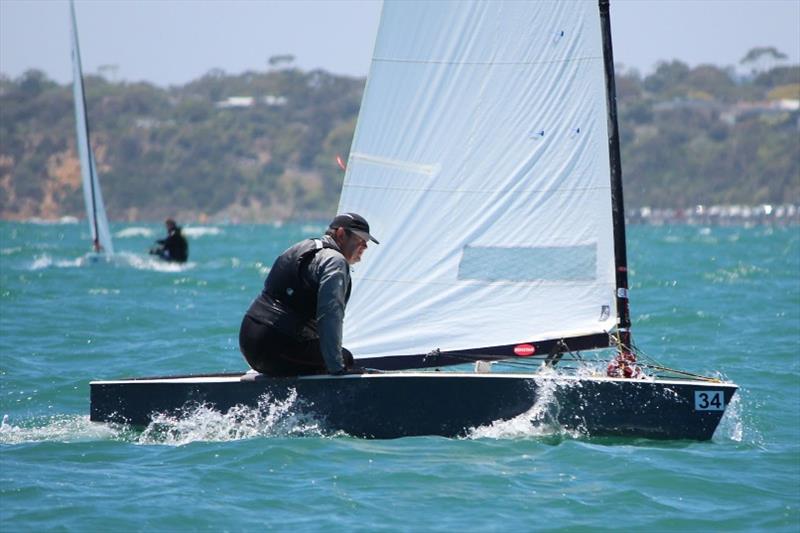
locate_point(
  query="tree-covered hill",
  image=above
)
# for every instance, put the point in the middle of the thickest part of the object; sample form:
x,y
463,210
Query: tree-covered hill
x,y
263,145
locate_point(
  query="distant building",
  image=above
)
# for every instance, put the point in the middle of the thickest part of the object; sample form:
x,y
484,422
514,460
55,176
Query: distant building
x,y
718,215
708,108
273,100
250,101
770,107
236,101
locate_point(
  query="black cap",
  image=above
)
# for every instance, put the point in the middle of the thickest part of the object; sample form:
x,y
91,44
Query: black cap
x,y
355,223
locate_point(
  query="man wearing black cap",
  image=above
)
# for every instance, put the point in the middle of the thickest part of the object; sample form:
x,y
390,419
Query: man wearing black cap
x,y
294,327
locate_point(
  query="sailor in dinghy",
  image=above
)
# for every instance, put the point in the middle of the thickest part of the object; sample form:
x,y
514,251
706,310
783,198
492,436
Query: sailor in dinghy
x,y
294,327
173,247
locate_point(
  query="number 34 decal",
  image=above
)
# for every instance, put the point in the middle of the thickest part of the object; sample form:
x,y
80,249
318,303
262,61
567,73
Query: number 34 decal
x,y
709,400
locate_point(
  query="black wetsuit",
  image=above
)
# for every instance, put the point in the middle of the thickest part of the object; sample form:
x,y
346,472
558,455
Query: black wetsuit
x,y
172,248
294,327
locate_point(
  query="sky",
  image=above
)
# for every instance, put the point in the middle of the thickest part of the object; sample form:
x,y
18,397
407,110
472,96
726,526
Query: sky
x,y
171,42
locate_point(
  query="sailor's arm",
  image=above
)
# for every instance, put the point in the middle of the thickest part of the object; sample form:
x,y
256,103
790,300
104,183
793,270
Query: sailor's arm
x,y
333,273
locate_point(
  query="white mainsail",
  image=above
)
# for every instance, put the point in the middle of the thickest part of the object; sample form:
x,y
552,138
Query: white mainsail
x,y
95,209
481,162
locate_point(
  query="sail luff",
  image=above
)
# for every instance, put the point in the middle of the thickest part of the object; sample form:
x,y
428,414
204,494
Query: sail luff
x,y
95,211
618,205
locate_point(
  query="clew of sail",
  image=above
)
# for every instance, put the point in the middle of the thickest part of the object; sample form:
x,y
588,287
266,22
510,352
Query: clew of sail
x,y
481,161
95,209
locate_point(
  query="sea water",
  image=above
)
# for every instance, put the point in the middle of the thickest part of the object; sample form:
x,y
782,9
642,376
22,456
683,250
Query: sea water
x,y
712,300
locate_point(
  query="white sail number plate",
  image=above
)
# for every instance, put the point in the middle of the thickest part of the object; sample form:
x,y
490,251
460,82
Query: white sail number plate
x,y
709,400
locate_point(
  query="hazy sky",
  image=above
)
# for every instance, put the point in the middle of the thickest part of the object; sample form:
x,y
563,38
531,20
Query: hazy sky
x,y
171,42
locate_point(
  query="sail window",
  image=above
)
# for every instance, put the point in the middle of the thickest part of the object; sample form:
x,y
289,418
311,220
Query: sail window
x,y
518,264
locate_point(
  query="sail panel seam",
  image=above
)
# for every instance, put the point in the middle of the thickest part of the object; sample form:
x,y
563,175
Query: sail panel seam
x,y
475,191
482,63
460,282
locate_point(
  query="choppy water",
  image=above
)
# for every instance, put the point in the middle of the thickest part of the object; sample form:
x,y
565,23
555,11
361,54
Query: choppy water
x,y
704,299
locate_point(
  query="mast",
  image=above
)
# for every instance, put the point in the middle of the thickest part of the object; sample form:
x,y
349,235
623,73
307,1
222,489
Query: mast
x,y
617,204
77,53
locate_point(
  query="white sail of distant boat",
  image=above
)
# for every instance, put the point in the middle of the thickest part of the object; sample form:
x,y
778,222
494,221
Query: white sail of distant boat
x,y
481,161
95,209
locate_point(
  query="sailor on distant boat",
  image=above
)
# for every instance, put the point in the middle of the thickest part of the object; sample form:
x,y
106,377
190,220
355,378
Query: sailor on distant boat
x,y
294,327
173,247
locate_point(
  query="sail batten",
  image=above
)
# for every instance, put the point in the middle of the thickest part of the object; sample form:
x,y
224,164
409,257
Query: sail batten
x,y
481,160
93,198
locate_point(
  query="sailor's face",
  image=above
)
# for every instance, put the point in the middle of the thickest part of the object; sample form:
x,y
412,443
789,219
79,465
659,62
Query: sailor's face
x,y
353,247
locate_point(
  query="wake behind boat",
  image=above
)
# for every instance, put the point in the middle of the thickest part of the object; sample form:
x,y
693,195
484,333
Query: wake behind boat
x,y
486,155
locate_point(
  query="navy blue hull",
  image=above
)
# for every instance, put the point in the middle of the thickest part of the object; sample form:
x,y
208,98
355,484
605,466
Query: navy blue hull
x,y
449,404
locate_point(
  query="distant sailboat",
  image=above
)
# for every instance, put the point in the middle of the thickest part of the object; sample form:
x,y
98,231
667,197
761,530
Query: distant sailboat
x,y
95,209
486,156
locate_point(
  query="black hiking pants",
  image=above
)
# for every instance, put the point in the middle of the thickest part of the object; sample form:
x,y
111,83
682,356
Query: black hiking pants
x,y
274,353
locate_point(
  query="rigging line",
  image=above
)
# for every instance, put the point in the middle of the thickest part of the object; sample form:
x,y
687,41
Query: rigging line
x,y
641,353
649,361
485,63
688,374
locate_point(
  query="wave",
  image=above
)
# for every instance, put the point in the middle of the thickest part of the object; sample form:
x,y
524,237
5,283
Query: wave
x,y
56,222
41,262
197,423
142,231
541,420
150,262
136,231
120,259
735,274
59,428
538,421
734,425
201,231
206,424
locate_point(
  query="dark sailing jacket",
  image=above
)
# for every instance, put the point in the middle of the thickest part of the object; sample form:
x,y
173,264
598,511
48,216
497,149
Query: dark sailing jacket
x,y
305,295
174,247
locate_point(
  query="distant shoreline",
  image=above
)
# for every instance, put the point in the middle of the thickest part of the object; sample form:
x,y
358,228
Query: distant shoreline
x,y
716,215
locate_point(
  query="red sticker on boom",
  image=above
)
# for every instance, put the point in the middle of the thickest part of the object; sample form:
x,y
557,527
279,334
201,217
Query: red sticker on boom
x,y
524,350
